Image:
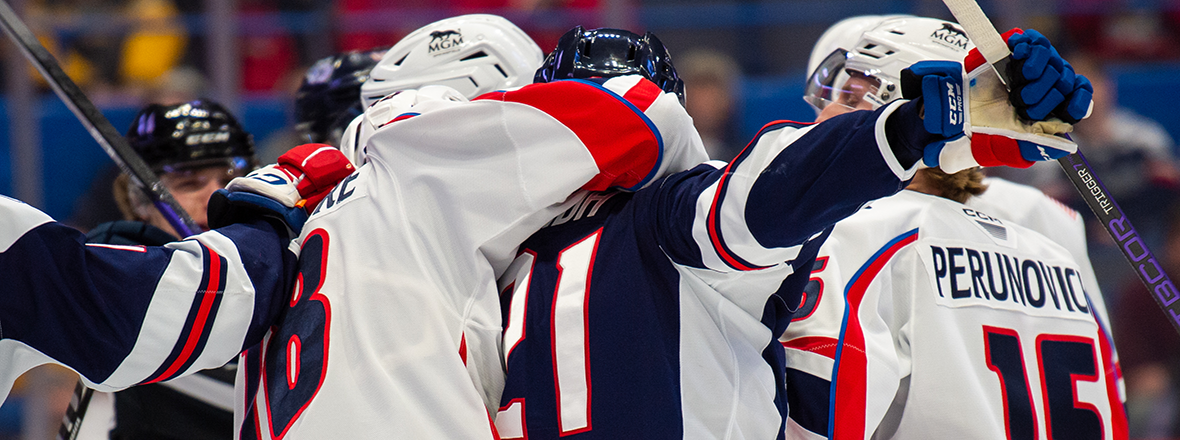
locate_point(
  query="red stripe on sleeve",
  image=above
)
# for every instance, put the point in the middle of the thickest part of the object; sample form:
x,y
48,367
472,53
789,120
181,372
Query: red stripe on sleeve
x,y
463,348
194,334
643,94
712,222
624,146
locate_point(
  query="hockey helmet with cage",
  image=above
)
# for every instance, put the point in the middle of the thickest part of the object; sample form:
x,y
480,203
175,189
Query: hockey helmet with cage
x,y
329,96
605,53
877,54
191,134
473,54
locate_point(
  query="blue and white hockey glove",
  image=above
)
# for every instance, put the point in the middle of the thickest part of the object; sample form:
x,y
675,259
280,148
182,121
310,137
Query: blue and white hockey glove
x,y
288,190
938,87
1043,83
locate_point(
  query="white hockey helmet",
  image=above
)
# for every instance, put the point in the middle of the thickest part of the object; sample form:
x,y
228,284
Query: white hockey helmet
x,y
843,35
473,54
878,54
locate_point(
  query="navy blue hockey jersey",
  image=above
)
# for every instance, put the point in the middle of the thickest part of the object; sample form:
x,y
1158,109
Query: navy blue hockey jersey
x,y
655,314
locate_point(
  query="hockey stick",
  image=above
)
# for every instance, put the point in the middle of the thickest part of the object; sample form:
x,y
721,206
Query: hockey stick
x,y
995,50
116,147
71,423
99,127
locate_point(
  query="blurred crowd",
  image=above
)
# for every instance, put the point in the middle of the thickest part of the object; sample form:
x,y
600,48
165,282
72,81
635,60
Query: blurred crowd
x,y
134,52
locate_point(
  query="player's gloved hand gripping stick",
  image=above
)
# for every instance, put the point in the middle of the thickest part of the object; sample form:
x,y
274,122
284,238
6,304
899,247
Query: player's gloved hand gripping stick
x,y
1066,96
978,121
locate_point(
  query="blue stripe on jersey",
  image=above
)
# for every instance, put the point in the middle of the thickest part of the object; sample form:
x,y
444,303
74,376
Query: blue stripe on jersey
x,y
853,283
250,363
598,83
198,323
776,356
819,179
89,303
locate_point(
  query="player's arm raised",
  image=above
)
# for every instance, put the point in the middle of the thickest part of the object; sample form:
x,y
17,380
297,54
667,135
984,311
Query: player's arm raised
x,y
495,162
791,182
795,180
126,315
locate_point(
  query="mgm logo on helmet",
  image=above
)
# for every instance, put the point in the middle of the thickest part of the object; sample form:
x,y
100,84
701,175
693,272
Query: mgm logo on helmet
x,y
951,35
444,41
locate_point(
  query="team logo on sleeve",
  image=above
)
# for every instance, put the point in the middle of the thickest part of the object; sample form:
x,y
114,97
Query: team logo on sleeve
x,y
444,41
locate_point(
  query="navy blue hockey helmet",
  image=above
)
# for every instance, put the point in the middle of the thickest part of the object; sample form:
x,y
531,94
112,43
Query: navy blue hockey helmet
x,y
190,134
606,53
330,95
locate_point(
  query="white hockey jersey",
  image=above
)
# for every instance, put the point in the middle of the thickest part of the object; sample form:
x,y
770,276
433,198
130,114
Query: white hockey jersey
x,y
1033,209
409,249
937,320
391,325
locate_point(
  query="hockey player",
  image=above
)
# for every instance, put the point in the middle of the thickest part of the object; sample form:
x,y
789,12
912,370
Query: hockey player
x,y
195,148
390,323
329,96
1027,206
656,314
928,318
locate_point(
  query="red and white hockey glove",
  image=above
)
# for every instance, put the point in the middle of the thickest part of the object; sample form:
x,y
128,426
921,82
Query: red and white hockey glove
x,y
302,176
288,190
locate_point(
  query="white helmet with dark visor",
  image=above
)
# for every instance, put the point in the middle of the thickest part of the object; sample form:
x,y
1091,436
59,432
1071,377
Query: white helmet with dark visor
x,y
862,68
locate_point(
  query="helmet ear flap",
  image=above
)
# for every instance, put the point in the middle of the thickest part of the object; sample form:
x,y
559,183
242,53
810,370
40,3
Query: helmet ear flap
x,y
663,70
545,72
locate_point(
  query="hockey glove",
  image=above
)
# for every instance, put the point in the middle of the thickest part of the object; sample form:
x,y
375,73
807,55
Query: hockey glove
x,y
994,135
998,136
288,190
1043,84
938,87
